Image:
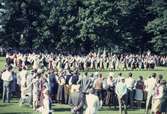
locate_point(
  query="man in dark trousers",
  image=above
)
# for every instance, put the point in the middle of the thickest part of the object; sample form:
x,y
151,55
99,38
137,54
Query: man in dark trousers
x,y
85,83
76,101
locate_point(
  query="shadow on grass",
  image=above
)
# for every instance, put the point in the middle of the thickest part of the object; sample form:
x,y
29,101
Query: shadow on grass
x,y
117,109
61,109
16,113
5,105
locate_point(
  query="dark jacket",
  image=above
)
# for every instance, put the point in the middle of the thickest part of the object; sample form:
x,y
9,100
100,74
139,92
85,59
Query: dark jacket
x,y
77,102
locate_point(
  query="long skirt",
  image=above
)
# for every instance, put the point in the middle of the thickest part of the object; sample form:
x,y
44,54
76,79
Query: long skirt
x,y
60,93
156,105
139,95
45,106
163,106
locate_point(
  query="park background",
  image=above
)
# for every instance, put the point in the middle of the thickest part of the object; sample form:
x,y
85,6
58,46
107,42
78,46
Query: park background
x,y
81,26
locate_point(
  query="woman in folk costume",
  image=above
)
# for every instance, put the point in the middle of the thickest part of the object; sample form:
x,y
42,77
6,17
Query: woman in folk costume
x,y
92,63
60,93
36,63
156,100
139,91
25,94
46,100
101,64
35,91
42,81
50,65
163,106
93,103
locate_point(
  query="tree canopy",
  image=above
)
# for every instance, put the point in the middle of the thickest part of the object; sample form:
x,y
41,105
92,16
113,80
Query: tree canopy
x,y
85,25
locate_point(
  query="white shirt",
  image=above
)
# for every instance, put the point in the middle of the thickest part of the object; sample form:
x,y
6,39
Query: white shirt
x,y
7,76
93,104
121,89
150,84
129,82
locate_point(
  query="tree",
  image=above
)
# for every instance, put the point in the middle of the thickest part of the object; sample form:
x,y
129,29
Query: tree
x,y
158,27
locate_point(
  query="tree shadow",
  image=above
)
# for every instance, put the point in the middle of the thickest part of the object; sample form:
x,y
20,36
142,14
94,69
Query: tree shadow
x,y
17,113
5,105
60,109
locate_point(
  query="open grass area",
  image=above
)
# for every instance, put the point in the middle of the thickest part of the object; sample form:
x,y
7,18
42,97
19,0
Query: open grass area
x,y
14,108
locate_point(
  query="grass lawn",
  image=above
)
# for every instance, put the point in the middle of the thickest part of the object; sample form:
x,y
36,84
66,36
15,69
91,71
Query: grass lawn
x,y
14,108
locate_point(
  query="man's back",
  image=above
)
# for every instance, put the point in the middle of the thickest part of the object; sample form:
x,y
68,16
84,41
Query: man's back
x,y
98,84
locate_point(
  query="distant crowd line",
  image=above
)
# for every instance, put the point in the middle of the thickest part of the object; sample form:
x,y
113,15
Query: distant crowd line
x,y
91,61
40,80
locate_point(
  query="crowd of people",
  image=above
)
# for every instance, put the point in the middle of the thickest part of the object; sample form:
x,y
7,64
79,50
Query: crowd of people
x,y
91,61
40,80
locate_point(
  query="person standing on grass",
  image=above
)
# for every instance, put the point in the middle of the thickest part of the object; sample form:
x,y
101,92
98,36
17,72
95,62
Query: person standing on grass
x,y
157,96
139,91
163,105
98,86
7,78
130,85
110,97
93,102
150,90
46,100
121,92
76,100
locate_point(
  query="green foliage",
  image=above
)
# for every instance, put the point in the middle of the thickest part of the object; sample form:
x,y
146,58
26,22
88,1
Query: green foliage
x,y
158,27
84,25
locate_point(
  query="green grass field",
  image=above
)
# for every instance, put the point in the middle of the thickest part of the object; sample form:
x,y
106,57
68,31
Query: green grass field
x,y
14,108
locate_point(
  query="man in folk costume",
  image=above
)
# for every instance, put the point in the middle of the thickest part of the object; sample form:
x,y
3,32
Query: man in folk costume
x,y
52,84
67,85
121,92
60,92
130,85
110,98
85,83
93,102
76,100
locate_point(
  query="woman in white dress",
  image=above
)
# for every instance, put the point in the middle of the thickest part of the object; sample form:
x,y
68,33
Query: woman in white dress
x,y
46,101
93,103
35,92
